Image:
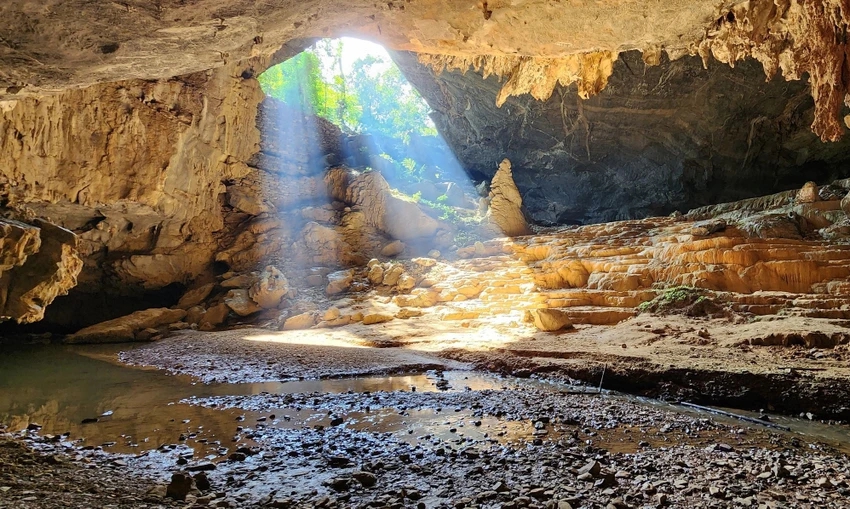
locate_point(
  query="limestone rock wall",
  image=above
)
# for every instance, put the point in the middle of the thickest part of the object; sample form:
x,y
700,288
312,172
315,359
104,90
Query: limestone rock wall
x,y
656,139
137,169
38,262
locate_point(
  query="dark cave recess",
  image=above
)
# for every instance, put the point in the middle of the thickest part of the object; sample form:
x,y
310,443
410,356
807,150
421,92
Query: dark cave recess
x,y
657,139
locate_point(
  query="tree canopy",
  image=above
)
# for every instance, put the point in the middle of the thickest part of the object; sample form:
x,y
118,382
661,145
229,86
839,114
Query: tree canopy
x,y
372,97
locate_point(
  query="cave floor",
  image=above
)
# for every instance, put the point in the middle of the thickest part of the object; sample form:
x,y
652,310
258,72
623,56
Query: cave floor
x,y
788,365
397,419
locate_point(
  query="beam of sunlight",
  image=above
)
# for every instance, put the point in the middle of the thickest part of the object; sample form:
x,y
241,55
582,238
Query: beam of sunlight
x,y
345,104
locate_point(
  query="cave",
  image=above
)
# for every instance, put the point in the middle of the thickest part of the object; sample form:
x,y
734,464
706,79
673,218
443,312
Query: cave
x,y
422,253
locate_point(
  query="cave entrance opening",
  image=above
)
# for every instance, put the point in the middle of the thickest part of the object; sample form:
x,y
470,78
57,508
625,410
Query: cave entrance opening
x,y
357,109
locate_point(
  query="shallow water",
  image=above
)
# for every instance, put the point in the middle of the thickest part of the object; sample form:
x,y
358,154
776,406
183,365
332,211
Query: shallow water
x,y
58,387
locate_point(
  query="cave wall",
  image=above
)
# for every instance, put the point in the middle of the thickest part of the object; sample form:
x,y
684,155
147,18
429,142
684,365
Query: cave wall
x,y
657,139
137,170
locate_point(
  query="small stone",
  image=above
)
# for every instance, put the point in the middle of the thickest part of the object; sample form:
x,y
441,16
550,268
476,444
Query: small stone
x,y
592,467
340,483
367,479
823,482
375,318
332,313
202,482
180,486
716,492
501,487
203,467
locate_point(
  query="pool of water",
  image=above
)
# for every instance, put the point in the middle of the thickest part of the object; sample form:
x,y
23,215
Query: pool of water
x,y
86,392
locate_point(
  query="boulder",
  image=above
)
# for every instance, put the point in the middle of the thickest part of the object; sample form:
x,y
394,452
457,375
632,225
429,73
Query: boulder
x,y
405,282
124,329
376,274
302,321
394,248
195,314
426,262
323,245
455,196
332,313
397,217
808,193
427,190
240,281
418,298
374,318
845,204
240,302
405,313
270,288
392,274
550,320
195,296
215,315
180,486
339,281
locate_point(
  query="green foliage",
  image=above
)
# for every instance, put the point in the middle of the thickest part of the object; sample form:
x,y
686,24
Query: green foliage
x,y
442,198
466,237
682,299
389,105
298,82
446,213
372,98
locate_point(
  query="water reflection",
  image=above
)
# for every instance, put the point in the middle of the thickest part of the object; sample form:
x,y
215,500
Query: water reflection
x,y
85,392
133,410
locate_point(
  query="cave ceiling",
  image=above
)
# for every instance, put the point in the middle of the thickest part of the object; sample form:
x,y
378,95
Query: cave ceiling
x,y
532,45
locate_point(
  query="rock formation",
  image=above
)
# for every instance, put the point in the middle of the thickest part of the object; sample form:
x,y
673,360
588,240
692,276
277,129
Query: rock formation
x,y
126,328
139,134
135,169
505,210
37,264
658,138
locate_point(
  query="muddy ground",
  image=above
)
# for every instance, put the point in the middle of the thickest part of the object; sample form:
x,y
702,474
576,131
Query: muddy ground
x,y
450,440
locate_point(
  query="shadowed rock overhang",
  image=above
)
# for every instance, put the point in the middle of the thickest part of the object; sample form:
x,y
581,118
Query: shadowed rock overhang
x,y
532,46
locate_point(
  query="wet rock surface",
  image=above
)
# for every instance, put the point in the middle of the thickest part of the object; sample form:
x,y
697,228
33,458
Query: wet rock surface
x,y
452,443
48,472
